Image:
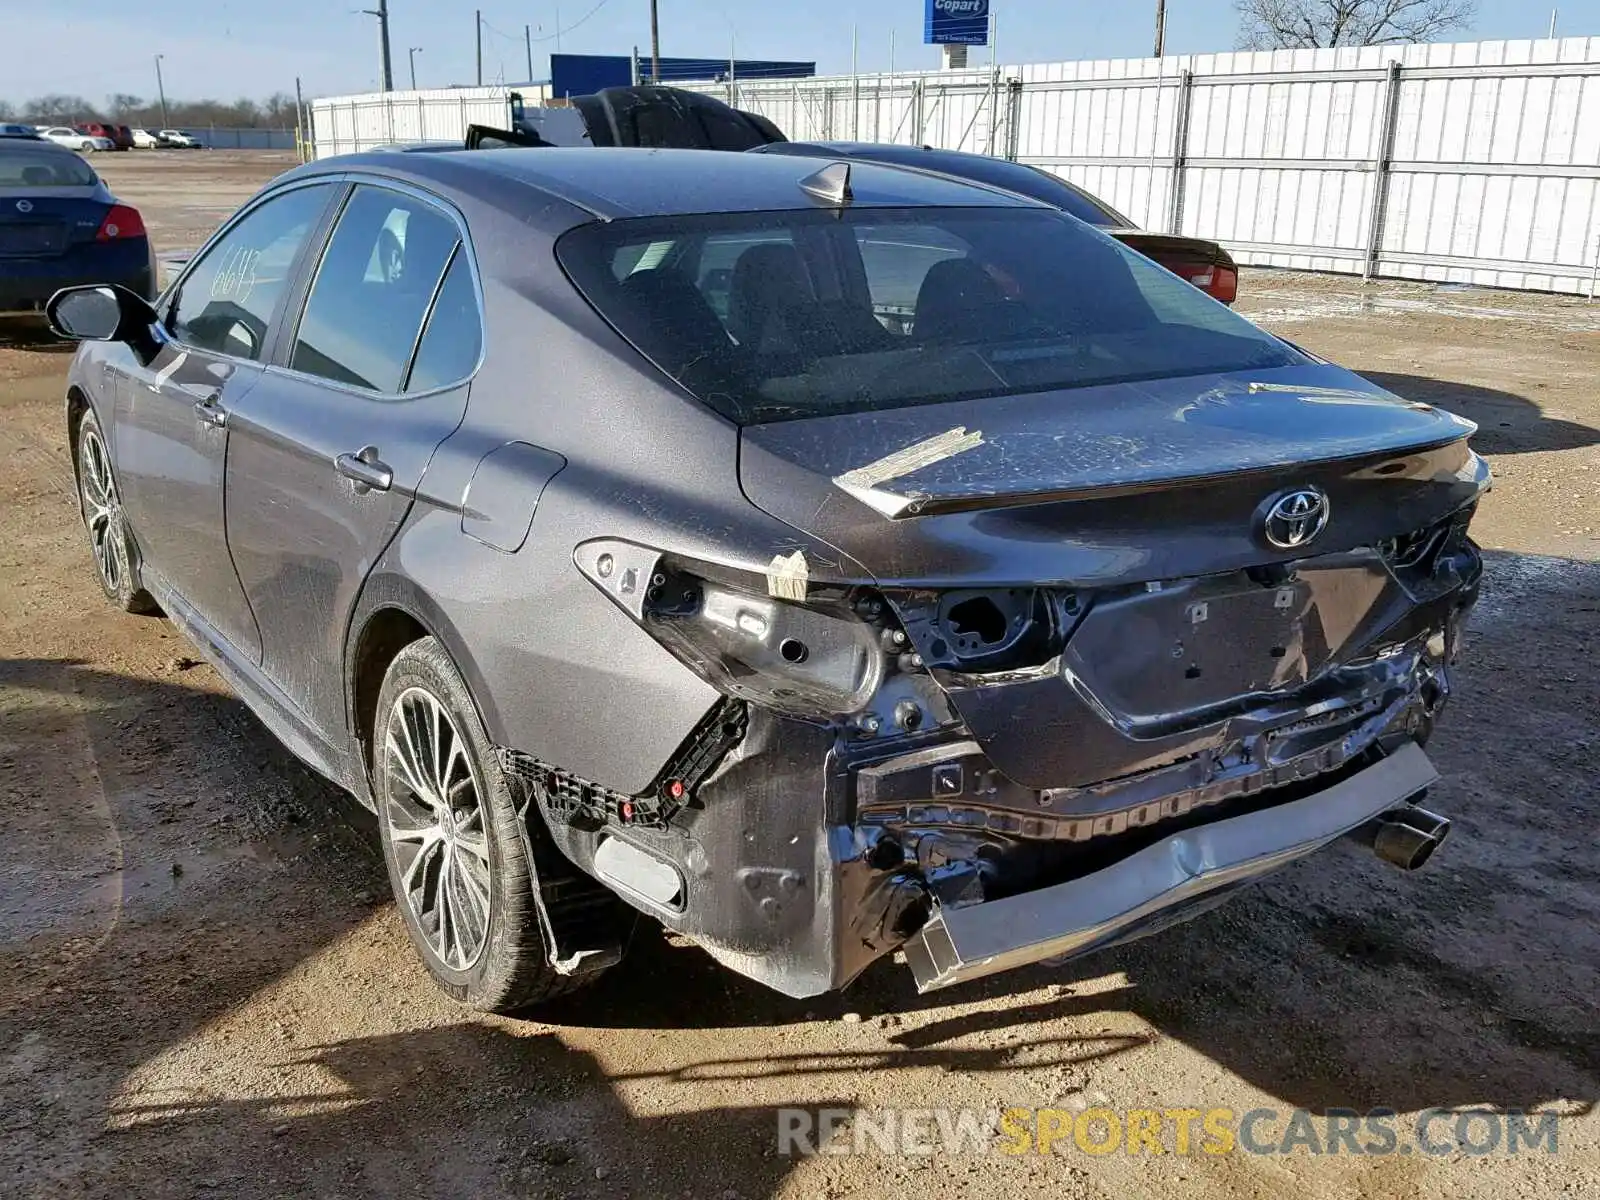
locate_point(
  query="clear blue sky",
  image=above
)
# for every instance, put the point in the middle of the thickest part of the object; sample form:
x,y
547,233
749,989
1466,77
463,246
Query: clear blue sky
x,y
224,49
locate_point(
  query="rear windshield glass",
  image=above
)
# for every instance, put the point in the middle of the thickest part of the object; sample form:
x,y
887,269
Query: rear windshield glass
x,y
773,316
29,168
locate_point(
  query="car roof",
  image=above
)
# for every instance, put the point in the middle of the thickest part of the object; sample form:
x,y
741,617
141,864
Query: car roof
x,y
618,182
38,146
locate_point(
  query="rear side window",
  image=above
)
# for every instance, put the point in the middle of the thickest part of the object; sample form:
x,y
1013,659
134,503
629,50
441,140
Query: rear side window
x,y
373,289
453,338
31,169
227,302
782,315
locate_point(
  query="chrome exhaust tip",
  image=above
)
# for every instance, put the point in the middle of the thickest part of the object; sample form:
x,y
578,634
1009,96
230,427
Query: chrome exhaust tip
x,y
1405,837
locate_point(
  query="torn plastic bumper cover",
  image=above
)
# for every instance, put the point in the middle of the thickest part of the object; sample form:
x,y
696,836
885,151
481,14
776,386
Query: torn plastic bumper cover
x,y
1171,878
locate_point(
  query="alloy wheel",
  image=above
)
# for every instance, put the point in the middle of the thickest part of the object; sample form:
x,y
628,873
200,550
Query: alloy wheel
x,y
435,818
102,512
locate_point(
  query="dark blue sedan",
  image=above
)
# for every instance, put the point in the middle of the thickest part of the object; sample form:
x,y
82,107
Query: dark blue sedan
x,y
60,226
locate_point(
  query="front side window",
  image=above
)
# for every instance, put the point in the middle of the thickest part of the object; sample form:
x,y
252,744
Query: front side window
x,y
780,315
228,301
373,288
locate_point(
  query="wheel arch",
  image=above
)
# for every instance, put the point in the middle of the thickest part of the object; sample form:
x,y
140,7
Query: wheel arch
x,y
394,612
77,403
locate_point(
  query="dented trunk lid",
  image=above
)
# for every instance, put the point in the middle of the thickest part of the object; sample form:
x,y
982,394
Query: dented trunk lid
x,y
1112,484
1135,513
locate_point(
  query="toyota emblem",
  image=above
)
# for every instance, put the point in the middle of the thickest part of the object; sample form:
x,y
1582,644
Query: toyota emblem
x,y
1296,518
24,205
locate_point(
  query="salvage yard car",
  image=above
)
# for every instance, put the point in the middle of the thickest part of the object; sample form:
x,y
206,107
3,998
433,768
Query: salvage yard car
x,y
76,139
598,518
60,225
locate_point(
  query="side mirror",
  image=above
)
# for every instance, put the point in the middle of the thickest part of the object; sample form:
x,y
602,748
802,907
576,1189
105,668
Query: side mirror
x,y
102,313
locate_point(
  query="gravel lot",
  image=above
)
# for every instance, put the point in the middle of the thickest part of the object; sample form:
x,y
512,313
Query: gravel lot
x,y
204,989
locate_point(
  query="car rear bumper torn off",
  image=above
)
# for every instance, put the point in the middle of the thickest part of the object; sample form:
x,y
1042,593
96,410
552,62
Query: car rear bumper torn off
x,y
1170,879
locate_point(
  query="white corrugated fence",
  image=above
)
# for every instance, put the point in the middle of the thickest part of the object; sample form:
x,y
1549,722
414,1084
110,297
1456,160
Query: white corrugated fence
x,y
1473,162
349,124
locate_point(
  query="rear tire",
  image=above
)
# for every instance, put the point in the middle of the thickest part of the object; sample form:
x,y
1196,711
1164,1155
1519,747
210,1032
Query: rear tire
x,y
116,562
457,862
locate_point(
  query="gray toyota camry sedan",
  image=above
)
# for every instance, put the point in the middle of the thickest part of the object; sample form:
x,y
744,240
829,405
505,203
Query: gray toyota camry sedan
x,y
825,560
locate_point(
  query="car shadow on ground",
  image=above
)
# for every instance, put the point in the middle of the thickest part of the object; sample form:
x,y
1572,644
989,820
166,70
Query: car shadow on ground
x,y
1338,984
1507,423
31,333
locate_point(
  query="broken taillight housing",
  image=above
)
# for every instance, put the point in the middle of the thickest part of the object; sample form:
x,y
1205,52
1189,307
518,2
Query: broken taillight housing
x,y
820,657
813,659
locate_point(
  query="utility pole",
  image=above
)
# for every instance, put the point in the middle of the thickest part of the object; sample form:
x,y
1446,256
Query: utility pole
x,y
302,135
655,45
382,13
527,41
413,51
1161,27
161,91
1554,12
477,17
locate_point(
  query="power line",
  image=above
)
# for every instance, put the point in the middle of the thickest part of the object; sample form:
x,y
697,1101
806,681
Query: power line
x,y
562,32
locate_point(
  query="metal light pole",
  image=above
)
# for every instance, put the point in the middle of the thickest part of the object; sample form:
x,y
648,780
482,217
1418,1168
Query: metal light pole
x,y
477,16
302,135
1161,27
382,13
655,45
412,53
527,41
161,91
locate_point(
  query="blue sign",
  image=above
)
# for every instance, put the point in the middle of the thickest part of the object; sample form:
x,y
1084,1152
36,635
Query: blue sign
x,y
956,22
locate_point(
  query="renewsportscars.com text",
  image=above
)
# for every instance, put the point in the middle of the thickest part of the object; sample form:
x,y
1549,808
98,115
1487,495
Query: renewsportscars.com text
x,y
1150,1131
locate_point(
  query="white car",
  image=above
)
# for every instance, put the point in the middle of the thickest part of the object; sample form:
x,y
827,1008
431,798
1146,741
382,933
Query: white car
x,y
72,139
178,139
143,139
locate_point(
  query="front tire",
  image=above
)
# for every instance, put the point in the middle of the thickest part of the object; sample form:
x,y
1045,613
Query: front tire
x,y
116,564
457,861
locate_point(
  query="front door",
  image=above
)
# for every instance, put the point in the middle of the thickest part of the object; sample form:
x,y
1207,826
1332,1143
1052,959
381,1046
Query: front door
x,y
327,452
170,431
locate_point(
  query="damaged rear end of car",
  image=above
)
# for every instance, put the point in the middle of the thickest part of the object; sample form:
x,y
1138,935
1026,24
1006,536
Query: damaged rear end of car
x,y
1097,608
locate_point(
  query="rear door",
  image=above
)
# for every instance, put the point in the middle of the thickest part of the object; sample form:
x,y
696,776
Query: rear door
x,y
170,436
326,453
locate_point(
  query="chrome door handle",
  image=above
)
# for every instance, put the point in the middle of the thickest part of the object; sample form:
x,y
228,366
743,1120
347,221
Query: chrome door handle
x,y
364,468
208,412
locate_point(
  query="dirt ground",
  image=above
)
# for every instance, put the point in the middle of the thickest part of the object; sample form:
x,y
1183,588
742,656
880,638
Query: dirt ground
x,y
205,990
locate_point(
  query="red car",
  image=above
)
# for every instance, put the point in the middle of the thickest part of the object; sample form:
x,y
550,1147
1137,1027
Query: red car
x,y
120,135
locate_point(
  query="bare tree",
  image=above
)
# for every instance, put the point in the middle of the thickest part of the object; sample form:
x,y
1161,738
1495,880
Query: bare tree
x,y
57,109
123,105
1289,24
276,112
278,109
